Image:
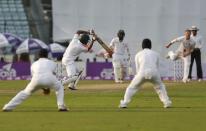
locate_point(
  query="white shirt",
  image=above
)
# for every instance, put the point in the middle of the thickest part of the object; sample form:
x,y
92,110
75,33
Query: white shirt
x,y
74,49
119,48
184,44
198,41
147,60
43,66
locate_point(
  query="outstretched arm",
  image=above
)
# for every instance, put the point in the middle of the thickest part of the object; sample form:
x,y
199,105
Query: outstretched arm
x,y
91,44
99,40
179,39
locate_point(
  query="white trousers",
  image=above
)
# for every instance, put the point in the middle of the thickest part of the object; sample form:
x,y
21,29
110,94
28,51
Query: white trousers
x,y
120,65
72,72
174,56
139,79
38,82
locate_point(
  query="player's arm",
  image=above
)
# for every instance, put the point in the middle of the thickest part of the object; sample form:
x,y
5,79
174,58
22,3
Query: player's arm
x,y
91,44
104,45
128,52
187,52
179,39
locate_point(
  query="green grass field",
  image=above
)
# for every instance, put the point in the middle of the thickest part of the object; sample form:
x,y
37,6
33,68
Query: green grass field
x,y
94,107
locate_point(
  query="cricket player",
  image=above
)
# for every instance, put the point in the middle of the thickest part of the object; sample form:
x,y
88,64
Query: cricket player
x,y
147,64
186,46
196,54
43,77
80,43
120,57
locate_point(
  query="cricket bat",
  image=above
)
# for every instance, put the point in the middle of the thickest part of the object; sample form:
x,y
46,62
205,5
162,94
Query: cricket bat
x,y
105,46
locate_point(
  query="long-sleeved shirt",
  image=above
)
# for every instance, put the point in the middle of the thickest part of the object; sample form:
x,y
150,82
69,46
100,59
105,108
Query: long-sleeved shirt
x,y
184,44
198,41
74,49
43,66
147,60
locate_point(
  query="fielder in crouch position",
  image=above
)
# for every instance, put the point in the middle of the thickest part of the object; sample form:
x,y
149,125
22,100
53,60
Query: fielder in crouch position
x,y
80,43
147,63
183,52
120,57
43,77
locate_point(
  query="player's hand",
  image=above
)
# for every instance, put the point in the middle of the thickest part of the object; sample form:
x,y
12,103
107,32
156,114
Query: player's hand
x,y
91,32
94,37
46,91
168,45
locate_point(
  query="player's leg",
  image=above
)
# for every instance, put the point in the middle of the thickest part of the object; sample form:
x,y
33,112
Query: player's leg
x,y
131,90
161,91
71,76
198,64
191,64
59,90
125,68
117,70
186,68
172,55
20,97
80,72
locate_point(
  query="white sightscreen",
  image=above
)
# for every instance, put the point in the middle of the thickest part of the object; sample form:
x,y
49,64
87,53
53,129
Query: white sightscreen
x,y
159,20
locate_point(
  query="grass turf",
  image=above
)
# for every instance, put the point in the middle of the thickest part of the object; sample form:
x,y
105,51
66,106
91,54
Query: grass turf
x,y
94,108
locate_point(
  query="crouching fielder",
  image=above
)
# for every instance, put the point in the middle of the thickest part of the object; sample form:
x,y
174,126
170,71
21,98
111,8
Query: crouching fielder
x,y
148,63
42,78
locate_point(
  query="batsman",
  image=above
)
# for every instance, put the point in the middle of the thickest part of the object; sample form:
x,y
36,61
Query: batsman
x,y
120,54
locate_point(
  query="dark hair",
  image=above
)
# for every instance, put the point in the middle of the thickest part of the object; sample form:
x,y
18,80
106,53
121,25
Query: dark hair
x,y
43,53
24,57
84,39
146,43
121,34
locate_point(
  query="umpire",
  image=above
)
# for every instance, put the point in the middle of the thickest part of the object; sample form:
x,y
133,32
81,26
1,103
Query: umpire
x,y
196,54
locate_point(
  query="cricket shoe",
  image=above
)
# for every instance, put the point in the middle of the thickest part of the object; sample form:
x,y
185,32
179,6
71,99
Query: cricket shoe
x,y
199,80
72,87
122,104
63,109
7,110
74,84
168,104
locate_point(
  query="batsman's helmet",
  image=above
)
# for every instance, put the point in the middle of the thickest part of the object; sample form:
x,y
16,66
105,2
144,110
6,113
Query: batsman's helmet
x,y
84,39
121,34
